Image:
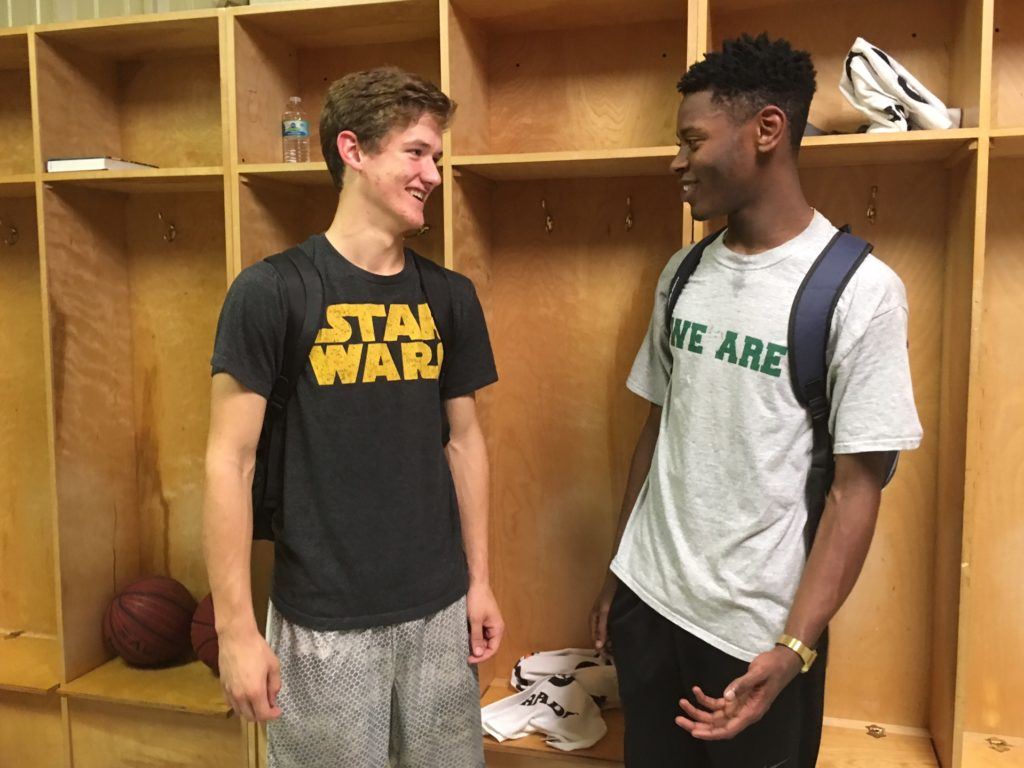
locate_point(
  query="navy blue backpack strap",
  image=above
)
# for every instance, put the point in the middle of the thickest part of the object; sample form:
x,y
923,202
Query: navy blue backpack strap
x,y
683,273
305,293
438,291
810,323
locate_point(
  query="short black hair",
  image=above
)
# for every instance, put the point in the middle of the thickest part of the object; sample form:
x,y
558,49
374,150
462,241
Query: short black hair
x,y
751,73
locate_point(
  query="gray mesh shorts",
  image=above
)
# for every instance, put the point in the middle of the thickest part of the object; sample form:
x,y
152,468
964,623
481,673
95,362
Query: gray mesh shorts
x,y
403,695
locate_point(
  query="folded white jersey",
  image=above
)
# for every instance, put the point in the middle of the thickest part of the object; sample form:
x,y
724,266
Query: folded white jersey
x,y
887,94
557,706
593,670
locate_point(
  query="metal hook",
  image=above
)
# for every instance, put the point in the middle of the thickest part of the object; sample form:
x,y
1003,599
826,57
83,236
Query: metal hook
x,y
999,745
12,235
629,213
549,223
872,211
171,232
876,731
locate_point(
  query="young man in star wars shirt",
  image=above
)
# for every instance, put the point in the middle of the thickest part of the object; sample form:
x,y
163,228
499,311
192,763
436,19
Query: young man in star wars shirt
x,y
380,596
713,584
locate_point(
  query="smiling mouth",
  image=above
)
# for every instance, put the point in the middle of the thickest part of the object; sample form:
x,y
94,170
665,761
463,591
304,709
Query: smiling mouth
x,y
418,194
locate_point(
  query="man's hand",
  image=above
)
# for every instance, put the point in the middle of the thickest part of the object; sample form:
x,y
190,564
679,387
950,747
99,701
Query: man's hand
x,y
599,613
746,699
485,623
250,676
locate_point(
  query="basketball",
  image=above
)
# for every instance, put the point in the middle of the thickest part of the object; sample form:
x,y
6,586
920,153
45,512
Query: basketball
x,y
204,635
147,622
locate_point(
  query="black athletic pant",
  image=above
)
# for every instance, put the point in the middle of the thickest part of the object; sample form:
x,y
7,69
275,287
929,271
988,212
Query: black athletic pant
x,y
659,663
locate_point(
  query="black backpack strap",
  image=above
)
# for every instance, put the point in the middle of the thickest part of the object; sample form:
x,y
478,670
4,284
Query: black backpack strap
x,y
684,271
438,291
305,293
810,323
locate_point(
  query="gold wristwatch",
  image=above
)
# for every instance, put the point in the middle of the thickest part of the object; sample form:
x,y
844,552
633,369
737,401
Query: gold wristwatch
x,y
808,655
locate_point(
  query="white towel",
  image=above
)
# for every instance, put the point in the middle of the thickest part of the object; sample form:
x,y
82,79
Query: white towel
x,y
595,671
560,695
891,98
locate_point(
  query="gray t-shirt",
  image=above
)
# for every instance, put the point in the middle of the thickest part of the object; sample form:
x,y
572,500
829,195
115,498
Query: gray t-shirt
x,y
715,542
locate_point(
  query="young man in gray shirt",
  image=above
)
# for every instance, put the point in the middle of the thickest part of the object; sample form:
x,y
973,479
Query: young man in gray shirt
x,y
714,604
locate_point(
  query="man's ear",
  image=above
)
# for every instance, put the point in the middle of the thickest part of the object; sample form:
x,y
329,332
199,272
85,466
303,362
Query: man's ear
x,y
349,150
772,129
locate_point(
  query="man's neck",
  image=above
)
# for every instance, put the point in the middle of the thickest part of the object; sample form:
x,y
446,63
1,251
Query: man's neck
x,y
774,218
358,233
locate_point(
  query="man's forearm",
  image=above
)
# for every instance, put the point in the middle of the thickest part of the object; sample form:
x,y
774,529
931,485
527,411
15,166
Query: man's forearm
x,y
467,458
840,548
227,546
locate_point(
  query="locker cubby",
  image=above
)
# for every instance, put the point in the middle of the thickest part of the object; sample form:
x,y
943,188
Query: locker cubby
x,y
300,52
565,76
566,311
939,43
103,734
280,209
31,731
29,650
16,152
994,627
135,281
145,91
1008,65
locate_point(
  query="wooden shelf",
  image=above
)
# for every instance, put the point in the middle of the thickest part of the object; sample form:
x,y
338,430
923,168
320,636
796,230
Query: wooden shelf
x,y
29,664
189,687
978,753
647,161
140,37
154,180
608,749
300,174
18,185
885,148
567,14
840,746
332,23
1007,142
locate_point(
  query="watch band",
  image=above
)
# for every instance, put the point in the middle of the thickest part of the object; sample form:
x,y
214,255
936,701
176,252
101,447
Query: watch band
x,y
807,655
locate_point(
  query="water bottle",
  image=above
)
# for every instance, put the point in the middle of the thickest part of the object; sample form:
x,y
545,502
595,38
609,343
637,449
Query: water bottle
x,y
294,132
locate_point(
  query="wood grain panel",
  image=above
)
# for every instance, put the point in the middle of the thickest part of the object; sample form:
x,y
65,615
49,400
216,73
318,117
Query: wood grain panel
x,y
1008,65
979,753
891,604
995,635
91,338
27,586
15,122
31,733
592,88
919,35
469,87
965,87
78,107
533,15
176,292
266,75
566,311
958,301
170,111
103,735
319,67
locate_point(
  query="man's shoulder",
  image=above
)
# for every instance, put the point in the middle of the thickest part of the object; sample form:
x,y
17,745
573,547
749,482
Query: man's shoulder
x,y
876,287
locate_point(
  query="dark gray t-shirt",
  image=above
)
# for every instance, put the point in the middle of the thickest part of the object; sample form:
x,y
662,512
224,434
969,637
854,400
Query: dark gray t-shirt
x,y
369,531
